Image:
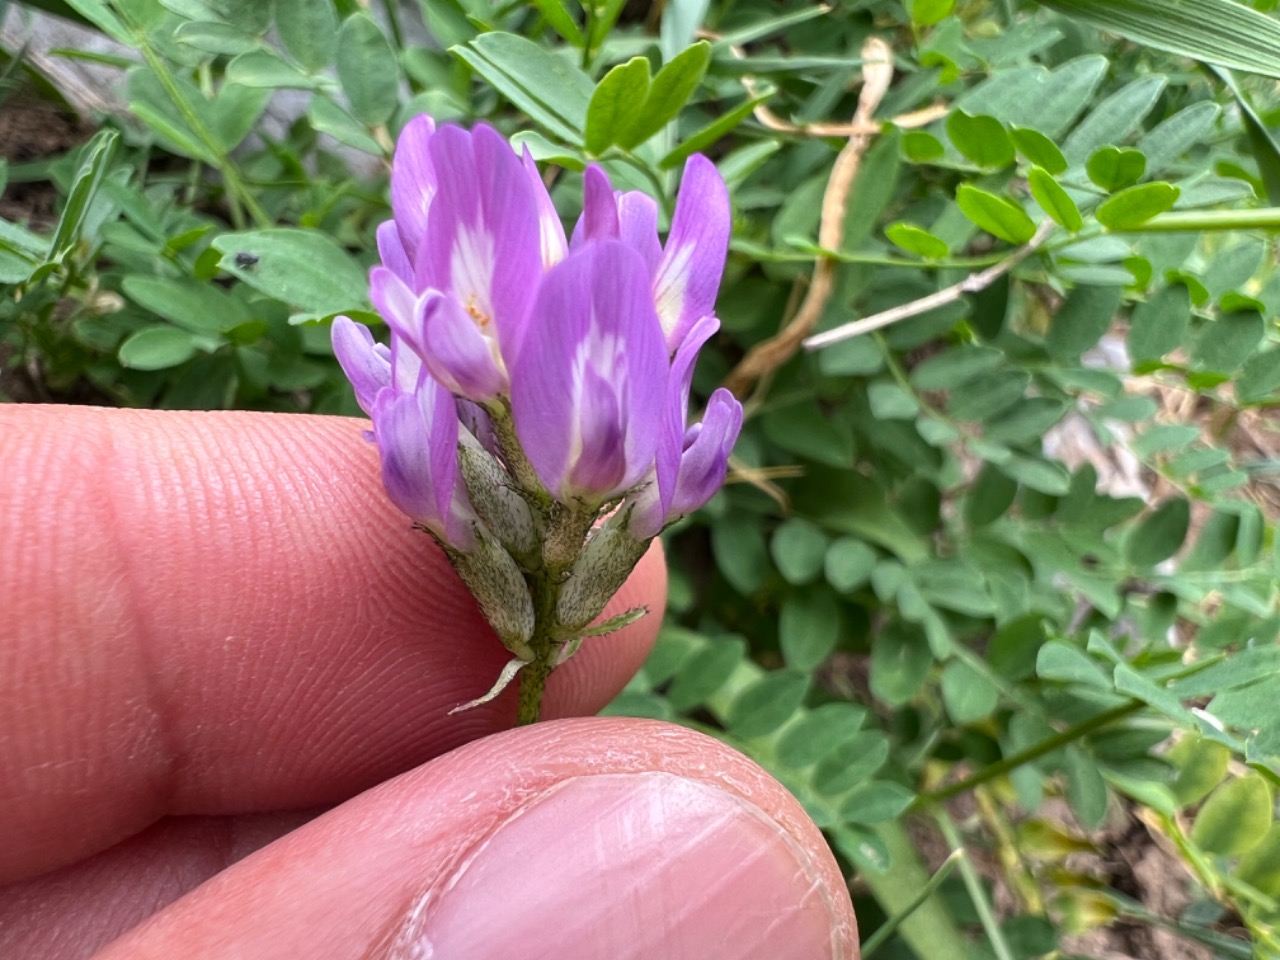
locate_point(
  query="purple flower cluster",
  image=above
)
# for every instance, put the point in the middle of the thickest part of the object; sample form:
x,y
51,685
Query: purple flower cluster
x,y
585,345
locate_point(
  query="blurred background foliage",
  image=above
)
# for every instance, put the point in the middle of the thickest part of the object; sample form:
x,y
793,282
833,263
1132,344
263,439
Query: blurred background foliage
x,y
992,589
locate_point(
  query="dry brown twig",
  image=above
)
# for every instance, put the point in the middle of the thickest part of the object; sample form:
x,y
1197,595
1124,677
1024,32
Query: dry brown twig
x,y
763,358
970,284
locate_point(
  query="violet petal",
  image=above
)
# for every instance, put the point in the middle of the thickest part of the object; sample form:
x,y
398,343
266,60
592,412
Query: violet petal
x,y
550,229
483,240
458,355
693,258
368,368
706,460
592,327
413,182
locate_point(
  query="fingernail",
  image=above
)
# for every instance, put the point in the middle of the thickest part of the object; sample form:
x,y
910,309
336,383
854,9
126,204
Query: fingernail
x,y
630,866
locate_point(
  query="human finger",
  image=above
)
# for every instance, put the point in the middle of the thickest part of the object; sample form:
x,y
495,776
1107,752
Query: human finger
x,y
221,613
577,838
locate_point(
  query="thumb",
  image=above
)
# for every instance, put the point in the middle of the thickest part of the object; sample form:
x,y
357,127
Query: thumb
x,y
578,838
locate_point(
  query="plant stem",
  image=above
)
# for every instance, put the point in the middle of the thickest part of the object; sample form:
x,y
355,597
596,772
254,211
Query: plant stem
x,y
973,884
1044,747
890,926
533,683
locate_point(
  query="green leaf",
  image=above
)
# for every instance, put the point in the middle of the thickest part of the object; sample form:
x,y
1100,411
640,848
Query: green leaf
x,y
808,628
951,368
553,92
900,662
1266,152
1039,149
1224,344
200,308
714,131
619,95
702,674
157,348
1114,119
368,69
216,37
848,564
1034,96
917,240
989,497
304,268
851,762
308,29
982,139
1058,660
799,549
1086,790
1216,31
767,704
1260,867
1260,376
1235,818
1160,325
921,147
876,802
234,113
1054,200
1082,320
925,13
1113,168
1160,534
261,68
890,402
98,12
1132,208
327,117
557,14
1026,422
671,89
95,161
1201,764
818,732
968,695
997,215
1173,137
740,554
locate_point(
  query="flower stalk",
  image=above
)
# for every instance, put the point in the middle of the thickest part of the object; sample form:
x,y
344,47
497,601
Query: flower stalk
x,y
531,405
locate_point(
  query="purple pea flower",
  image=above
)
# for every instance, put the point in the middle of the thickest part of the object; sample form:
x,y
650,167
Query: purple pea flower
x,y
416,428
472,234
691,461
588,385
532,384
685,272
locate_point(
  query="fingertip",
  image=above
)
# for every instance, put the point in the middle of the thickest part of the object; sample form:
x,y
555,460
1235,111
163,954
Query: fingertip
x,y
590,837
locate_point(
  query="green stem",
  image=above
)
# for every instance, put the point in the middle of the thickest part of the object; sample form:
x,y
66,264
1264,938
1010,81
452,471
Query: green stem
x,y
973,884
237,192
1267,218
533,684
1043,748
890,926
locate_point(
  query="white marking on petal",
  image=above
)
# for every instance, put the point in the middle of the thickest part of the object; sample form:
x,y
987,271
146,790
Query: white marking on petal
x,y
471,269
673,281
